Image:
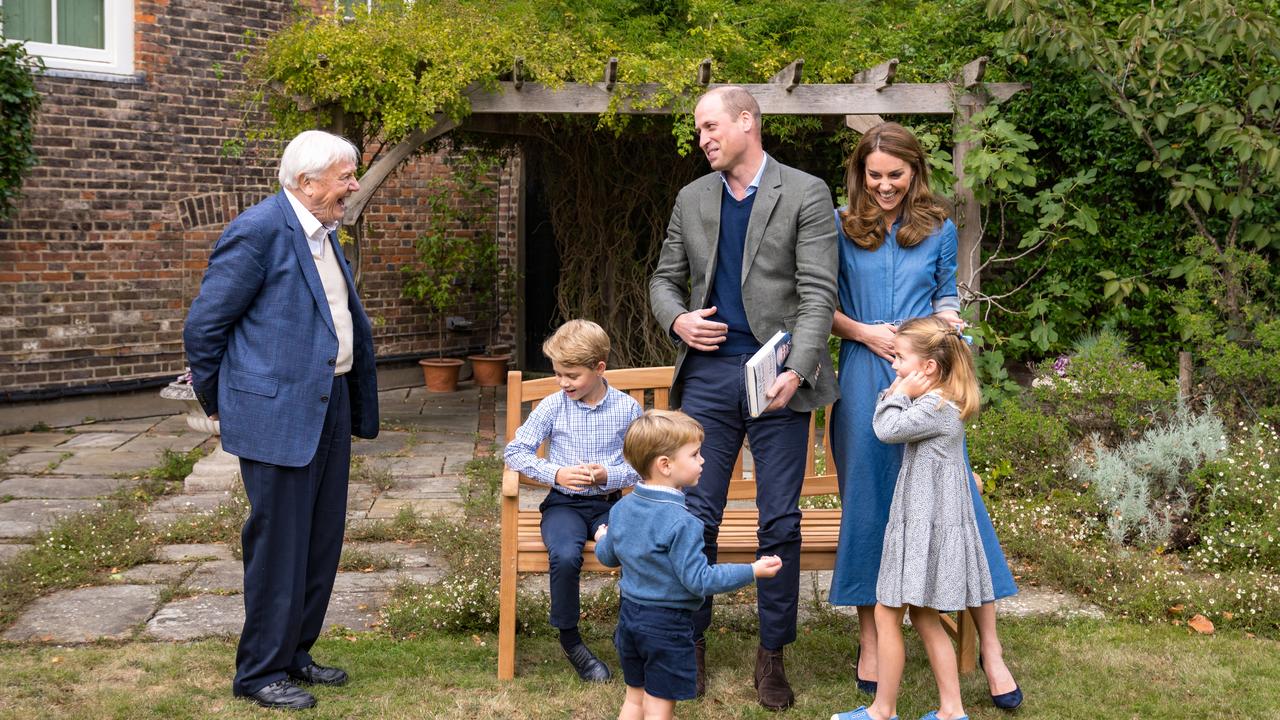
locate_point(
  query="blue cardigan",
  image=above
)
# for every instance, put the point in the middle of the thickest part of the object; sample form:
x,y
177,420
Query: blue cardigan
x,y
660,548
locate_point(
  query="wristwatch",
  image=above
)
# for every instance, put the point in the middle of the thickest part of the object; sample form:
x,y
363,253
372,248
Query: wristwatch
x,y
797,374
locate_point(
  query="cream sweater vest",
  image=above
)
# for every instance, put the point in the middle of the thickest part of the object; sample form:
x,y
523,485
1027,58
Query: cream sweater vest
x,y
335,291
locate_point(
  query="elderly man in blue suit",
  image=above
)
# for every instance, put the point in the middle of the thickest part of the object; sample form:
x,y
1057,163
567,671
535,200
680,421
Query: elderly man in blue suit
x,y
281,351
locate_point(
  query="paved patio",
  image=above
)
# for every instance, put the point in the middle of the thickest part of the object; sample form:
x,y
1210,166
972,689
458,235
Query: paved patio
x,y
193,591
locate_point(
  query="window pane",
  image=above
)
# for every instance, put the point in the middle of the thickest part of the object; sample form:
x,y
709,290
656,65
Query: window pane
x,y
28,20
80,23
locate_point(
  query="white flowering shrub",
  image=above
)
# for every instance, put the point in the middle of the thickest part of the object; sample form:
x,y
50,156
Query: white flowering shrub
x,y
1238,516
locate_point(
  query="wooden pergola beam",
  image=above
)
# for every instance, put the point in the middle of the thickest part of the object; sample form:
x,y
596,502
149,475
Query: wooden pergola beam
x,y
774,99
789,76
387,164
882,77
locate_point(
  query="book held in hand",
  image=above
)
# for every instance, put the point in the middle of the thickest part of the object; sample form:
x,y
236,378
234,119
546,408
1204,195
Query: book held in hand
x,y
763,369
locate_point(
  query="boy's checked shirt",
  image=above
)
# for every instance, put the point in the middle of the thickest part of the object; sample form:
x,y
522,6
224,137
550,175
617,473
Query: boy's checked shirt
x,y
580,433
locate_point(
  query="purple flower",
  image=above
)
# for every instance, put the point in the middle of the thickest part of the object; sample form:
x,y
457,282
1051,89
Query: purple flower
x,y
1060,365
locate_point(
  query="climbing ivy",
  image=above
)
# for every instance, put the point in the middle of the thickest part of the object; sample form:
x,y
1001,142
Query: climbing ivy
x,y
19,102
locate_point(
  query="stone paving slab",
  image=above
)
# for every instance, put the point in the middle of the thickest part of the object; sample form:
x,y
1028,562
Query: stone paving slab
x,y
155,573
34,461
172,425
197,617
33,441
411,555
133,427
102,462
360,497
423,464
60,486
361,582
10,550
388,442
108,440
388,508
191,504
151,445
86,614
435,487
218,576
192,552
359,611
24,518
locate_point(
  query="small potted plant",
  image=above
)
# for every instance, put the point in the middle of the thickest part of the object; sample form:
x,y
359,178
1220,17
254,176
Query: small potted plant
x,y
495,296
438,281
449,268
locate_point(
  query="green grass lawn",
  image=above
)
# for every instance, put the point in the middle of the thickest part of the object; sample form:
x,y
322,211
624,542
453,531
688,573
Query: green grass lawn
x,y
1076,669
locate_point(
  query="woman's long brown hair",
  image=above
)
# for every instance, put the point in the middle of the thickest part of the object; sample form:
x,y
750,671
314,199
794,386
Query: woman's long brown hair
x,y
921,213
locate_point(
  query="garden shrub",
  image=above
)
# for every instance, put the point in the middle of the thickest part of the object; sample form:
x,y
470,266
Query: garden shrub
x,y
1100,389
1146,487
1016,448
1237,518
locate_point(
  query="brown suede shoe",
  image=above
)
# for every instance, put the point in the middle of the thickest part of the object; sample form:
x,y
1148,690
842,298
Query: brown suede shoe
x,y
700,656
771,680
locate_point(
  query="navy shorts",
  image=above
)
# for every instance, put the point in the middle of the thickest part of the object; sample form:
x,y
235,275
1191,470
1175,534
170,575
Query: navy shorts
x,y
655,649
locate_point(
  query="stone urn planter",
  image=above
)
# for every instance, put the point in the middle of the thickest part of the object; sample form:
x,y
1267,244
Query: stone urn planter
x,y
441,374
196,419
489,370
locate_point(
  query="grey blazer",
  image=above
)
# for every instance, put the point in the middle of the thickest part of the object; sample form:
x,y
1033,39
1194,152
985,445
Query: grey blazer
x,y
789,267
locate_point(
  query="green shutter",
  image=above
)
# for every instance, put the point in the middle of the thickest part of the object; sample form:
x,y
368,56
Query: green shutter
x,y
80,23
28,20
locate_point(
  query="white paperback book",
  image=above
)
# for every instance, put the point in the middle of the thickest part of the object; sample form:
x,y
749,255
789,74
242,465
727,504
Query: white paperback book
x,y
763,369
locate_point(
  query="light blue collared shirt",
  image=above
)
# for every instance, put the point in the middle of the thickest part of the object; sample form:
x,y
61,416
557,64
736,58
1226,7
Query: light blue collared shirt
x,y
754,184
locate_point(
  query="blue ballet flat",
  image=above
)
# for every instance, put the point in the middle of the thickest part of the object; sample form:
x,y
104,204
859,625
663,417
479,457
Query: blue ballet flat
x,y
933,715
1005,701
1010,700
866,686
859,714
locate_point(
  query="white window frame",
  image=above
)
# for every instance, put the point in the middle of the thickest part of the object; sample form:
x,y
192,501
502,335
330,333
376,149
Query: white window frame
x,y
116,57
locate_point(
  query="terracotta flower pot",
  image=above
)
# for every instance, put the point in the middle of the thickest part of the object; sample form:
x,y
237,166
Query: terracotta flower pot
x,y
441,374
489,370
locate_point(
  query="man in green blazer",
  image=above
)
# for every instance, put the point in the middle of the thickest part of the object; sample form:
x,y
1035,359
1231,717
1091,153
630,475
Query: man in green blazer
x,y
750,250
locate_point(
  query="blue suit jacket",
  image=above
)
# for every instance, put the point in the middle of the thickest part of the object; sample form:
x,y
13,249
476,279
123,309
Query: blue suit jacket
x,y
261,343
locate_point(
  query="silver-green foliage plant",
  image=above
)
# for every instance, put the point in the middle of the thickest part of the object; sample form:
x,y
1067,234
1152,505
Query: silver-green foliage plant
x,y
1146,487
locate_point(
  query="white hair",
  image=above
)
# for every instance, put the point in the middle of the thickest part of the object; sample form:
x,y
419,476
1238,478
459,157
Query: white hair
x,y
311,153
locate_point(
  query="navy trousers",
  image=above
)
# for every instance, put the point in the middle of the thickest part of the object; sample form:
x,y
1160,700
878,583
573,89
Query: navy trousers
x,y
292,542
568,521
715,395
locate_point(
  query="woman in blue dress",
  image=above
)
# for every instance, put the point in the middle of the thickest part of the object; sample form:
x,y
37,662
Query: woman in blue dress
x,y
897,261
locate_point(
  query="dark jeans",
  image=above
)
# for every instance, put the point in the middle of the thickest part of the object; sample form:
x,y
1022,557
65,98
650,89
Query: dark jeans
x,y
715,395
568,521
292,542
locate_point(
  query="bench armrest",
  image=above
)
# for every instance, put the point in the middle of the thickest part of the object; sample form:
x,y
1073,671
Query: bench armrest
x,y
510,483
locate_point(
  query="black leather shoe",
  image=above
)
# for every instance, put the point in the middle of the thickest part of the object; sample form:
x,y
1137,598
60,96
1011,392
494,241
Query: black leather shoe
x,y
314,674
590,668
283,694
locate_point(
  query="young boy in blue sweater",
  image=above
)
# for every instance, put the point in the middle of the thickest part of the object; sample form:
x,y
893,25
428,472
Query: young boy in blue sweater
x,y
584,468
665,574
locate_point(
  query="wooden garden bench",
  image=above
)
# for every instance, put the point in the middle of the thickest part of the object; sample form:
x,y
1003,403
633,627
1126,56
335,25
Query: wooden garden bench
x,y
523,551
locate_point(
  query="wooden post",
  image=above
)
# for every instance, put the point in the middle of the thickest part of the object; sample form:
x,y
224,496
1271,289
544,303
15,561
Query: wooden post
x,y
1184,376
704,72
611,74
968,214
517,72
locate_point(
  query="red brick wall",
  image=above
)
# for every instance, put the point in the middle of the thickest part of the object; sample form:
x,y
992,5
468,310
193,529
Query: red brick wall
x,y
106,248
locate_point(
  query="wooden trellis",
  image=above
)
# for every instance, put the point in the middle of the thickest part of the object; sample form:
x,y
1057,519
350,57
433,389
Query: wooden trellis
x,y
861,103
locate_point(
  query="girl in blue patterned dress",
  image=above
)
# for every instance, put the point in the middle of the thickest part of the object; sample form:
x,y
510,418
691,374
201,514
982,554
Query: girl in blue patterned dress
x,y
897,261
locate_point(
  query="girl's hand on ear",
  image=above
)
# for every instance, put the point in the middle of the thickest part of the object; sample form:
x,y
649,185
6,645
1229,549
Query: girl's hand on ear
x,y
915,384
894,386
